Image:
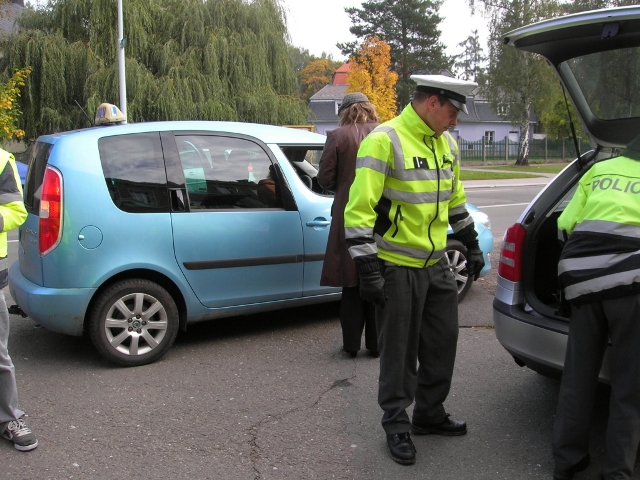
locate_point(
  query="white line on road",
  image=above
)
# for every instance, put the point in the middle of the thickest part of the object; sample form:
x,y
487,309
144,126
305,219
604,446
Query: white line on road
x,y
504,205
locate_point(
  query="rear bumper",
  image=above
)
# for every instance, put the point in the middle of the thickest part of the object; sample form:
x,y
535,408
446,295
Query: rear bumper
x,y
58,310
539,342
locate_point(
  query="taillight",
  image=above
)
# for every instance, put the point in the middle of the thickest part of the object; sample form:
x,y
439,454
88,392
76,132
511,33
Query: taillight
x,y
50,224
510,266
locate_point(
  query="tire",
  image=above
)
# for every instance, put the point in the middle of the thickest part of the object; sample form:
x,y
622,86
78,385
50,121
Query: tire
x,y
457,256
133,322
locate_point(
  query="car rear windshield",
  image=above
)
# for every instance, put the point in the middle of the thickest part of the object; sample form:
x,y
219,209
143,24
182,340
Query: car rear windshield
x,y
35,175
610,82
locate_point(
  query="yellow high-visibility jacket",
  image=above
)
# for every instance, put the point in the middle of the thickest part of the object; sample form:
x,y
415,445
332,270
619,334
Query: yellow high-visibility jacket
x,y
12,210
601,259
406,192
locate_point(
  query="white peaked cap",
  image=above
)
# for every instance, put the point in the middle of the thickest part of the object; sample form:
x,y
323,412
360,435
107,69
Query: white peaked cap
x,y
453,89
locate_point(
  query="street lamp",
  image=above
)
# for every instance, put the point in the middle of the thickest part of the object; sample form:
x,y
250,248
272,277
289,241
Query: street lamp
x,y
121,76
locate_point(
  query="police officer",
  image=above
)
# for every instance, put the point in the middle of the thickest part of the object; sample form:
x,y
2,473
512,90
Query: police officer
x,y
600,271
406,192
12,215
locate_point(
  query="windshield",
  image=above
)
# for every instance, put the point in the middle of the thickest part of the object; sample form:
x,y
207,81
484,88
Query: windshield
x,y
610,82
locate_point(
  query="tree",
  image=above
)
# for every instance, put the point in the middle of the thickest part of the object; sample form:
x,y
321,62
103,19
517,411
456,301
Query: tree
x,y
516,79
9,109
370,74
410,27
300,58
553,117
583,5
185,59
553,113
471,62
316,75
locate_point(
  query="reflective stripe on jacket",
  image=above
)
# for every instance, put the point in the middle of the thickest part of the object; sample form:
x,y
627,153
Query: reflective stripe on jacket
x,y
12,211
405,191
601,259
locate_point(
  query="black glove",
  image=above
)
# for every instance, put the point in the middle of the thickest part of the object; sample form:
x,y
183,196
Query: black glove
x,y
475,262
372,288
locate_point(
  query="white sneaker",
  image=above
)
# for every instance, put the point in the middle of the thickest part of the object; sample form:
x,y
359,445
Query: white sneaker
x,y
22,437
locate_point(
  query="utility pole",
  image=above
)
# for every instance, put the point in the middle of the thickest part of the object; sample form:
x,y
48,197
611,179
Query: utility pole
x,y
121,75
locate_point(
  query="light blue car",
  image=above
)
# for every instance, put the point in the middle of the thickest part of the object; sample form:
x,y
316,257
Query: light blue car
x,y
135,231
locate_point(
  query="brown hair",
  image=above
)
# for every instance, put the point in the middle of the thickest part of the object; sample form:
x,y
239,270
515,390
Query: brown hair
x,y
361,112
420,96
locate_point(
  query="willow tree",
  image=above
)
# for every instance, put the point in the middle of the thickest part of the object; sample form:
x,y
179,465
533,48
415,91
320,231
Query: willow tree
x,y
185,60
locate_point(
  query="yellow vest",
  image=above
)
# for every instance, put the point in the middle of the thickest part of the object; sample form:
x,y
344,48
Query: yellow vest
x,y
12,211
406,186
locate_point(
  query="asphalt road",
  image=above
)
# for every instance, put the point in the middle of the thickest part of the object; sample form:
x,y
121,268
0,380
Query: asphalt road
x,y
272,397
269,397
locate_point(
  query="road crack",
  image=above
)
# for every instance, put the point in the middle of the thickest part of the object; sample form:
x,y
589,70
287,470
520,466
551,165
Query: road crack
x,y
254,430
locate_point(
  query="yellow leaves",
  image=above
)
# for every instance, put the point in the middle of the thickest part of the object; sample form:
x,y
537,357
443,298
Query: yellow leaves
x,y
316,75
9,112
370,74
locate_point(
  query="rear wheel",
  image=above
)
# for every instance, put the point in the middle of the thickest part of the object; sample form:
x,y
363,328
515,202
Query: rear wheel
x,y
457,256
133,322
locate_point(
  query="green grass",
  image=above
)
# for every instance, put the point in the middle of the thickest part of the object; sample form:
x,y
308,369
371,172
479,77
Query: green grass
x,y
489,175
533,168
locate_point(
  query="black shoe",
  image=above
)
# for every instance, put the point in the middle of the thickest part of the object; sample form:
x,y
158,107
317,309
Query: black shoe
x,y
447,427
568,474
401,448
351,353
374,353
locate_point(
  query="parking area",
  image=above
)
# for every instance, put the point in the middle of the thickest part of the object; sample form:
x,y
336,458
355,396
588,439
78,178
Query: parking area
x,y
271,396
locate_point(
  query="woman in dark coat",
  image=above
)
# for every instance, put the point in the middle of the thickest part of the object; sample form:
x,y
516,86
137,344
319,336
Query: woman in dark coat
x,y
337,170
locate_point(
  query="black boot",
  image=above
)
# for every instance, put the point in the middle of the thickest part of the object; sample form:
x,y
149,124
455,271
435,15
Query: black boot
x,y
401,448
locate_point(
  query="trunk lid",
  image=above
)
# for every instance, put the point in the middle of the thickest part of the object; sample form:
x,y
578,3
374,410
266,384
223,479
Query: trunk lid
x,y
597,56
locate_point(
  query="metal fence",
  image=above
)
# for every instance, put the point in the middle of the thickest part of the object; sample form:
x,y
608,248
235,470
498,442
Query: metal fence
x,y
507,150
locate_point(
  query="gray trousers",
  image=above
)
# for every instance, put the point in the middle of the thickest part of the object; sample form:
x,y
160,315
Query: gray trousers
x,y
8,392
419,323
591,327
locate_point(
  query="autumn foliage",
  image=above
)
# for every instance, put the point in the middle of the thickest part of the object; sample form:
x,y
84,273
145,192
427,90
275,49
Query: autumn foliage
x,y
371,75
316,75
9,111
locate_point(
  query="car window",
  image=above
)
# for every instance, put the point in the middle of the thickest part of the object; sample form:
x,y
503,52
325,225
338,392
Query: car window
x,y
133,168
39,158
609,82
313,157
305,161
564,201
227,173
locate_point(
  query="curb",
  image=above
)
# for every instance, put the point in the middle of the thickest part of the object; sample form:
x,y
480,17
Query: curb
x,y
469,184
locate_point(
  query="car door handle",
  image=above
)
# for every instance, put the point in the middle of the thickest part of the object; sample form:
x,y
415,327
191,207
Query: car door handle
x,y
318,222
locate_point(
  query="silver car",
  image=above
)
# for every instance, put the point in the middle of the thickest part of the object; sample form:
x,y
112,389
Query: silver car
x,y
597,56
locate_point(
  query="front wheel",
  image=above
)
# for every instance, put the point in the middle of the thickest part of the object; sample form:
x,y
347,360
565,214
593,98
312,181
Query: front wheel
x,y
457,256
133,322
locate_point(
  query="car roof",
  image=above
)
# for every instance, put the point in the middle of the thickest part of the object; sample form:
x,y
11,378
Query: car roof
x,y
579,36
264,133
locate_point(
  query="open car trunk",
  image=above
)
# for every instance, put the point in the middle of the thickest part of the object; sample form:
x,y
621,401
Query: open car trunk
x,y
542,290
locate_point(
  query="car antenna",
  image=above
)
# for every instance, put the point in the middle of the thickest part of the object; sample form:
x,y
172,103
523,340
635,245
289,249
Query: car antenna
x,y
85,114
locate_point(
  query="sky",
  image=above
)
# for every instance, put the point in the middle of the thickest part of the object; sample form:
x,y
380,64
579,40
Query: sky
x,y
318,26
